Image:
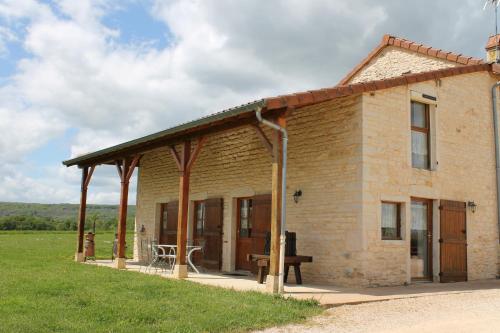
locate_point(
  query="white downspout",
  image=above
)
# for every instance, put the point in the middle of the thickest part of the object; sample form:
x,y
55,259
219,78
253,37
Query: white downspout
x,y
283,195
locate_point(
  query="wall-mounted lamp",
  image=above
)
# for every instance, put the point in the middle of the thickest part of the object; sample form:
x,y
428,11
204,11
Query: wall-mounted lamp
x,y
143,229
297,195
472,205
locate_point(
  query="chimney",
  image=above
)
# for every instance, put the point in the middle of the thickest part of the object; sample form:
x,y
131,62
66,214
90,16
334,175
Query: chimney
x,y
492,47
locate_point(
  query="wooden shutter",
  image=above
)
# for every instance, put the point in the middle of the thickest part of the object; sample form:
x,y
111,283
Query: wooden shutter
x,y
453,241
261,223
212,234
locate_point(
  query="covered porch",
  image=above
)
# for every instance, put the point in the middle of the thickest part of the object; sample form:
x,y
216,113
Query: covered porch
x,y
184,143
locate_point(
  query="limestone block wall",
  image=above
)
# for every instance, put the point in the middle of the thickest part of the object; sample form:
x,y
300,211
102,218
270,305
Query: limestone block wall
x,y
464,170
324,162
394,61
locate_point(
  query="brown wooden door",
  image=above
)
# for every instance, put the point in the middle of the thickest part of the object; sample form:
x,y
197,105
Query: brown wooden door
x,y
212,234
253,240
207,233
453,241
168,223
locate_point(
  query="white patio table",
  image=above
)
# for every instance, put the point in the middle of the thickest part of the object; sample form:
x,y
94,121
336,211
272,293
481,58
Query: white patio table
x,y
172,251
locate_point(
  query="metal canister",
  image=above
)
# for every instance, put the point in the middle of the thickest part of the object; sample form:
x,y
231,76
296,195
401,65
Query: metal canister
x,y
89,246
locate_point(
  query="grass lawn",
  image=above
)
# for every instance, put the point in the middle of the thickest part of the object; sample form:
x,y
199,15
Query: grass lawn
x,y
43,290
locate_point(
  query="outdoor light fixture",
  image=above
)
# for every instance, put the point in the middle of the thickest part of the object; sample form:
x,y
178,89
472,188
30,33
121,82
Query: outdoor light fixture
x,y
472,205
297,195
143,229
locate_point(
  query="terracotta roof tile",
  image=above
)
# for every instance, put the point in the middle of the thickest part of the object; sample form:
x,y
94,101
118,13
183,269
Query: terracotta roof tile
x,y
322,95
433,52
452,57
415,46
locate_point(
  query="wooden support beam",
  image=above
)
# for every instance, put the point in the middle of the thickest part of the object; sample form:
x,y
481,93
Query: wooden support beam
x,y
134,163
119,168
194,154
81,216
176,157
126,169
184,163
263,138
89,176
180,270
277,172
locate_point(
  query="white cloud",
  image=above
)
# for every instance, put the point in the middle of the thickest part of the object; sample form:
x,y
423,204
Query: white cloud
x,y
222,53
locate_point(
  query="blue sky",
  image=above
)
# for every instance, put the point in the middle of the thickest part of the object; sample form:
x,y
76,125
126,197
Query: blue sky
x,y
77,76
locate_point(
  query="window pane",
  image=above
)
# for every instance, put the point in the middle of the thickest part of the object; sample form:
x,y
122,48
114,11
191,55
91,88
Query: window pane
x,y
419,240
390,220
200,218
418,115
164,217
245,218
419,150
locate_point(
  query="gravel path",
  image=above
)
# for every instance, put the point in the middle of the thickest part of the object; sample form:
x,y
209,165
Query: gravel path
x,y
472,311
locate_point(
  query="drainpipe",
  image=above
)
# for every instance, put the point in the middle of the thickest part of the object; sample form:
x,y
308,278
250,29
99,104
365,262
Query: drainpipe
x,y
497,147
283,195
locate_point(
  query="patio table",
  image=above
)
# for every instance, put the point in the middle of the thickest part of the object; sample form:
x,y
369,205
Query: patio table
x,y
172,250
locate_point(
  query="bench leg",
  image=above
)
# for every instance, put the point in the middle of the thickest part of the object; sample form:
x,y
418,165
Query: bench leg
x,y
260,275
298,277
285,277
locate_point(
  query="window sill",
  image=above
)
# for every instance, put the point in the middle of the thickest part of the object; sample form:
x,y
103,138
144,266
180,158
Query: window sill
x,y
393,240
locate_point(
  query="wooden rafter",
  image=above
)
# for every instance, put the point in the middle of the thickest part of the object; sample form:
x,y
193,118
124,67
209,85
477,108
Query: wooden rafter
x,y
89,176
119,169
263,138
132,166
175,155
194,154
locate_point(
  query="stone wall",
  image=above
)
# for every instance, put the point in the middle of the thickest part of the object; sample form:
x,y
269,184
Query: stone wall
x,y
464,170
324,162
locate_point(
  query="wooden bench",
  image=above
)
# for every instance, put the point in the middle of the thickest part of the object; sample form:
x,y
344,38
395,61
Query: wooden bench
x,y
263,264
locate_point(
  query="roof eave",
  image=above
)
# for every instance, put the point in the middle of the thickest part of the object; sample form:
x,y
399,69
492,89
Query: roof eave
x,y
94,157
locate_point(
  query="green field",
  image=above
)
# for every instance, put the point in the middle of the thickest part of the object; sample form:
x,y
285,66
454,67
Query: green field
x,y
43,290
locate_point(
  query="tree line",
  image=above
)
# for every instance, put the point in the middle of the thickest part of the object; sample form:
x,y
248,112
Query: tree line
x,y
21,222
25,216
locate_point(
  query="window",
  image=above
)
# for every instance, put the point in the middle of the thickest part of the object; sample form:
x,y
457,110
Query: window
x,y
245,218
420,156
163,218
200,218
391,220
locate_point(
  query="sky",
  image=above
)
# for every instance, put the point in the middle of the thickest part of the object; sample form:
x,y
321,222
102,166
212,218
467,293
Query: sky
x,y
80,75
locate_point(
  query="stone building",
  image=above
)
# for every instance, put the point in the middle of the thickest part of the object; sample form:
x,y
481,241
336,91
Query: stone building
x,y
390,175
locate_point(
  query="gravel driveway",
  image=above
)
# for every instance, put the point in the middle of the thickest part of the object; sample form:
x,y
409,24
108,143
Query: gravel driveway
x,y
470,311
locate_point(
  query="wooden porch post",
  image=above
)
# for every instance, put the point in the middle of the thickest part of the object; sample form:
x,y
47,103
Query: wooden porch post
x,y
184,164
272,282
86,175
125,171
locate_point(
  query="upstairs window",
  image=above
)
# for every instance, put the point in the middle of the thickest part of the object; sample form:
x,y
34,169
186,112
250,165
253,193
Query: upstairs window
x,y
420,128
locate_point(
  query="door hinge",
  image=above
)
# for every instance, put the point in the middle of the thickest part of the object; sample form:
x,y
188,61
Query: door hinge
x,y
441,240
440,273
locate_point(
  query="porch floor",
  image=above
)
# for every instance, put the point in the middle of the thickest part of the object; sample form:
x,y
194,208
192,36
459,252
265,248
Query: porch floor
x,y
327,296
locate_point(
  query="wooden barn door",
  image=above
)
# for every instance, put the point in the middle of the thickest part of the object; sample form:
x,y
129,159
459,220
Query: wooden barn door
x,y
207,233
168,223
212,234
453,241
254,221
